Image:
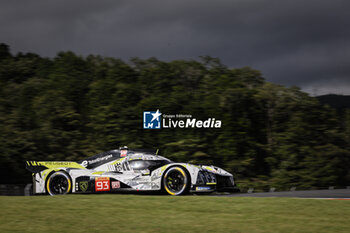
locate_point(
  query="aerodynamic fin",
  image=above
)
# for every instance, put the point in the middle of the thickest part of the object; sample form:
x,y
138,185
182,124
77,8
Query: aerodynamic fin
x,y
35,167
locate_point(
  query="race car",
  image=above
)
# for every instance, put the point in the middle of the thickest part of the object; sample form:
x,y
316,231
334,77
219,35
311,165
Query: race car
x,y
126,170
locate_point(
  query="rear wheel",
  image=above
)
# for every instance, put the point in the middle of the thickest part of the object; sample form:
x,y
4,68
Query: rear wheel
x,y
58,183
176,181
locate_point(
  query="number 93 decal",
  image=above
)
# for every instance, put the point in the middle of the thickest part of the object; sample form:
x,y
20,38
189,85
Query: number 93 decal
x,y
102,184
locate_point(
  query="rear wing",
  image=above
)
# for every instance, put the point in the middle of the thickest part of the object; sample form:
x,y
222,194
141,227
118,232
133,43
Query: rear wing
x,y
39,166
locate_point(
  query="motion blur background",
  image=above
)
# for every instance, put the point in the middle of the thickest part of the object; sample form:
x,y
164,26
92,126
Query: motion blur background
x,y
236,61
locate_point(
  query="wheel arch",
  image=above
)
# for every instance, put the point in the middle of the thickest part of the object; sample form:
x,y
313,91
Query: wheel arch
x,y
189,182
53,172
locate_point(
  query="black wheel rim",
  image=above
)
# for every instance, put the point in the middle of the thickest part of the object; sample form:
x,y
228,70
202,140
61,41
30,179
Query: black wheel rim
x,y
59,185
175,181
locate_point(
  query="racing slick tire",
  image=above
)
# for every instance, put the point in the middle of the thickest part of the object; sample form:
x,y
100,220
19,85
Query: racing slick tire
x,y
58,183
176,181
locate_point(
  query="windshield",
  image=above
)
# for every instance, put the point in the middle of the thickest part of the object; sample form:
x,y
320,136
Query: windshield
x,y
147,164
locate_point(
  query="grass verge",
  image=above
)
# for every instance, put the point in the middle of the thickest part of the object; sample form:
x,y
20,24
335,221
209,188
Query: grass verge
x,y
144,213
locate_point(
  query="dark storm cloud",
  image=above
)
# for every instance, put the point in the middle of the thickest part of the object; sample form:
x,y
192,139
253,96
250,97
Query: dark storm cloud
x,y
305,43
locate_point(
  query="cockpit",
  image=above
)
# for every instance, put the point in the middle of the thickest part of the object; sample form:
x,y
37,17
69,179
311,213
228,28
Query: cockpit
x,y
151,165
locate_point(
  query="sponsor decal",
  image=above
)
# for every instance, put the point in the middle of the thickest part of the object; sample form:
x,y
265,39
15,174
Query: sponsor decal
x,y
56,163
123,153
203,188
115,184
83,185
151,120
102,184
118,167
86,163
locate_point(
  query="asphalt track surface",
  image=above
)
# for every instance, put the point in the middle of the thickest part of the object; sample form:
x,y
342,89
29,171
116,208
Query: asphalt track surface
x,y
334,193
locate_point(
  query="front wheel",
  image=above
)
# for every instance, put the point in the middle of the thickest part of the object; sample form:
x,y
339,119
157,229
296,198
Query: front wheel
x,y
58,183
176,181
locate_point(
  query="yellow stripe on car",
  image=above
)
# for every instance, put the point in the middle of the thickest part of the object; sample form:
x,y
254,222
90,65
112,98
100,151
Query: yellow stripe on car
x,y
98,173
164,167
209,168
117,161
61,164
55,164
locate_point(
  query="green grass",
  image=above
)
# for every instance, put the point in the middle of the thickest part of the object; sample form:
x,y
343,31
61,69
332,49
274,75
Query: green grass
x,y
143,213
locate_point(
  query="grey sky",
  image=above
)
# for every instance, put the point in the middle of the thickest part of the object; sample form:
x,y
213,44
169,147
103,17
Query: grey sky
x,y
292,42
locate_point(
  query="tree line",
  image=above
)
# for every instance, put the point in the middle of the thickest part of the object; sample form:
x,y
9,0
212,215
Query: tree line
x,y
70,107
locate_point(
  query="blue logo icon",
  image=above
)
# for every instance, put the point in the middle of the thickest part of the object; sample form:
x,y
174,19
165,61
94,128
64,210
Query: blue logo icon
x,y
151,120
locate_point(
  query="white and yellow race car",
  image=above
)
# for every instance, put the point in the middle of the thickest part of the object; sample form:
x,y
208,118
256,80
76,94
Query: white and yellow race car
x,y
126,170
